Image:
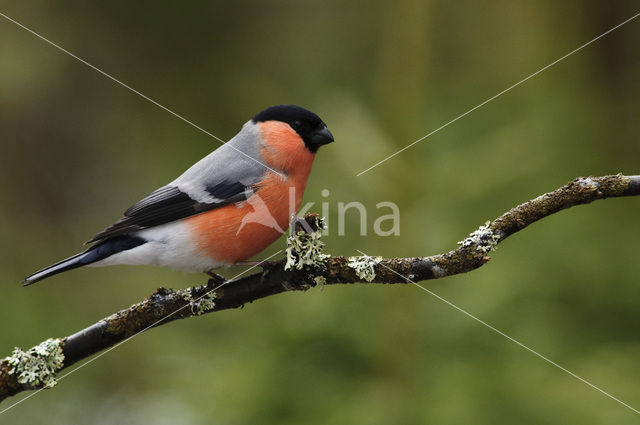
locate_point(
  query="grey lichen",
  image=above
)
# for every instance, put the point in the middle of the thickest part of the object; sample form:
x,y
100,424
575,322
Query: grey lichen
x,y
198,305
483,238
306,249
438,271
587,182
38,365
364,266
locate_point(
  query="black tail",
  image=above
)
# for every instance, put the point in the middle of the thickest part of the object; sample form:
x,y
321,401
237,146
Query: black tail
x,y
97,252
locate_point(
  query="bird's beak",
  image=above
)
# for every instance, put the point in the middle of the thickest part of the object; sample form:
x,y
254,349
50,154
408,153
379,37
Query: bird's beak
x,y
322,136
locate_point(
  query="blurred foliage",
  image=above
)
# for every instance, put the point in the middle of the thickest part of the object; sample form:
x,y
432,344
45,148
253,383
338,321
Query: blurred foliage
x,y
77,149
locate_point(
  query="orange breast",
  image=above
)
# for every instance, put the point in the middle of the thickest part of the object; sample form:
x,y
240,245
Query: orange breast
x,y
239,231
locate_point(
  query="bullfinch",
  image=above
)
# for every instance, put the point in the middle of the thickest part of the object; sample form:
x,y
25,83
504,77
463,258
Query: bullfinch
x,y
226,208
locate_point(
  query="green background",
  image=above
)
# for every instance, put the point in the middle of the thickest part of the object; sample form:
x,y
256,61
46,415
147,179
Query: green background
x,y
77,149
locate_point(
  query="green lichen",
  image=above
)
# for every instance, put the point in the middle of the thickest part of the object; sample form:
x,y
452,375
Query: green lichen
x,y
198,305
38,365
306,249
364,266
203,304
483,239
185,294
320,281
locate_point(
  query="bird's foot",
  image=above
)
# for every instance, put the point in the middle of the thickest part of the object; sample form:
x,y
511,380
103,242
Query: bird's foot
x,y
309,223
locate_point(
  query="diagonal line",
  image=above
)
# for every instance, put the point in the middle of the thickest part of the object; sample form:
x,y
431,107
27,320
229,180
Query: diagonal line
x,y
500,94
136,92
508,337
147,328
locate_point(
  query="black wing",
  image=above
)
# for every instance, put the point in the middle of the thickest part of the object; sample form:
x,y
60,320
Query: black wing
x,y
169,204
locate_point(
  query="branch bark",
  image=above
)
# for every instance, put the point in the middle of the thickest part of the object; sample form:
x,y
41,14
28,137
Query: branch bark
x,y
166,305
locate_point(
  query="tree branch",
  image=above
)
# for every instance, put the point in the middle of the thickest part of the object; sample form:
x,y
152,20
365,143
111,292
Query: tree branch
x,y
36,367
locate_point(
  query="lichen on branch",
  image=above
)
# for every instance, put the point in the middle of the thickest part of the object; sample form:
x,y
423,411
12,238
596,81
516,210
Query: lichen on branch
x,y
306,265
37,366
304,247
483,239
364,266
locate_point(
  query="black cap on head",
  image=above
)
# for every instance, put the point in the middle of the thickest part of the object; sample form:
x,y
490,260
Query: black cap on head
x,y
308,125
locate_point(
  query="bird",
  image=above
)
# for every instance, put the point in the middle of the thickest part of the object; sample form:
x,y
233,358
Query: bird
x,y
223,210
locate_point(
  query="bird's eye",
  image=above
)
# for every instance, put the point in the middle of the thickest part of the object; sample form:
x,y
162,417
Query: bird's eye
x,y
297,125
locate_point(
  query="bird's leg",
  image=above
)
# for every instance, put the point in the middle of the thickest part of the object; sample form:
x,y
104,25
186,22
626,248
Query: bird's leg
x,y
216,279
